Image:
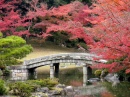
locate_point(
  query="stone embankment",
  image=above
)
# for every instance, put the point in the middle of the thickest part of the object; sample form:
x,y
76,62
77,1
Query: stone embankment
x,y
69,91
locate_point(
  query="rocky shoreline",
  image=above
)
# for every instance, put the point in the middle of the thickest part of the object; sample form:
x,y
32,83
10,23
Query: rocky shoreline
x,y
69,91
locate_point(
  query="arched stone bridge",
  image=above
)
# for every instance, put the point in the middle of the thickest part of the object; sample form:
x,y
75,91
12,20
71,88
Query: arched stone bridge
x,y
83,59
60,58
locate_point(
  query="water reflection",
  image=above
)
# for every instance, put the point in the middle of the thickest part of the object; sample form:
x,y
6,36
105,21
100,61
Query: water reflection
x,y
67,79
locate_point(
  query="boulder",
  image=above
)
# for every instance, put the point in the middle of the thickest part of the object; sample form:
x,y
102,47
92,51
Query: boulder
x,y
60,86
44,89
69,89
113,78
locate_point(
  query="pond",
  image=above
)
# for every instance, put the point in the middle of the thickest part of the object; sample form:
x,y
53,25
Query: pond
x,y
69,75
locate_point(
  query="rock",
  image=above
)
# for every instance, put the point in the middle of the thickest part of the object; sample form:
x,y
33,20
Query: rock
x,y
63,93
113,78
69,91
76,92
60,86
39,94
44,90
94,80
38,89
56,91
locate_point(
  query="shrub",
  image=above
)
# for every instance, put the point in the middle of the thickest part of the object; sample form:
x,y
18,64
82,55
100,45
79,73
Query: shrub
x,y
6,72
2,87
44,83
97,73
20,88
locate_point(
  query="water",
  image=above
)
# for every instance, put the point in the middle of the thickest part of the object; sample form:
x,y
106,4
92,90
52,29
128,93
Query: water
x,y
67,79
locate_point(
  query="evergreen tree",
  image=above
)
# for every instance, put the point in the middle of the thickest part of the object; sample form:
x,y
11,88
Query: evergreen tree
x,y
12,48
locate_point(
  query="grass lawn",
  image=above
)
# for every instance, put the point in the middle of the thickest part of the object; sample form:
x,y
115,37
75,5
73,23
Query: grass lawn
x,y
48,49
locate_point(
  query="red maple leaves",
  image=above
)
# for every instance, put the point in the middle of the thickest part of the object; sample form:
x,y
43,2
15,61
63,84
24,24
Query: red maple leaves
x,y
104,26
10,18
112,33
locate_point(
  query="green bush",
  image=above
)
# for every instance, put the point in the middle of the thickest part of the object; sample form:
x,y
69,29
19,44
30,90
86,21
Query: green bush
x,y
20,28
97,73
44,82
24,89
2,87
20,88
6,72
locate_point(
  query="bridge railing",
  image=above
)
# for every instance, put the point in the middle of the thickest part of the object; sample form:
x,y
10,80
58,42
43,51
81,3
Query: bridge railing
x,y
84,56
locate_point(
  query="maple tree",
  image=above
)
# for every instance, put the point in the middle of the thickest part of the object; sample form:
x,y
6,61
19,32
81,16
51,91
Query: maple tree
x,y
11,19
60,19
111,33
104,26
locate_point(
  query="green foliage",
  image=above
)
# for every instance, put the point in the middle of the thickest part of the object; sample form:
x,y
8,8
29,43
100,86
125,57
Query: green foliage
x,y
57,3
2,87
97,73
44,83
105,72
119,89
123,75
24,89
20,88
1,72
59,37
1,35
12,48
6,72
20,28
84,45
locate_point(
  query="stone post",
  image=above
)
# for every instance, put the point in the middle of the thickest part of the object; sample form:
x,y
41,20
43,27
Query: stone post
x,y
85,75
51,71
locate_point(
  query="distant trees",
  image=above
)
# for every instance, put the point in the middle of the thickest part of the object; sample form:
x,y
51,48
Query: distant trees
x,y
57,20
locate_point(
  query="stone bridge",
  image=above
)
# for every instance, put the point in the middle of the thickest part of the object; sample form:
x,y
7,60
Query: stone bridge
x,y
82,59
